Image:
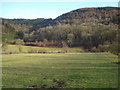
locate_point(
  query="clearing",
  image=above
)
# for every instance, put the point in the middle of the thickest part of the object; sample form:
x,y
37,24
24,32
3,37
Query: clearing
x,y
69,70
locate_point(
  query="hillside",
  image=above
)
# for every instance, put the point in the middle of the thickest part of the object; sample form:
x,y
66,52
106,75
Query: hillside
x,y
86,27
10,27
104,15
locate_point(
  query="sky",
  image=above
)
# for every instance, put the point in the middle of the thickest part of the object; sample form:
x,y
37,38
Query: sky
x,y
33,10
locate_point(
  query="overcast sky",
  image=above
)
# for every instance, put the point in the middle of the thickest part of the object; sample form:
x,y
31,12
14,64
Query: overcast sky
x,y
32,10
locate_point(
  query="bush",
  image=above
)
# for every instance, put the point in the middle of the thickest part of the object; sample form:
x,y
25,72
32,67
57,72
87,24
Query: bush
x,y
114,48
42,51
4,47
94,49
103,48
20,48
32,50
19,42
64,44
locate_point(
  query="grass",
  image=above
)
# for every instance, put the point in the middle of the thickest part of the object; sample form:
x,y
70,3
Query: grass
x,y
25,49
70,70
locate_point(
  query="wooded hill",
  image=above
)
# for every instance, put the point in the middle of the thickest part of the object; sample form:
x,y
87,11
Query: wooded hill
x,y
92,28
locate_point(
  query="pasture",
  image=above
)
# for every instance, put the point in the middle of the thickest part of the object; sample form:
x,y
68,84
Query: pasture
x,y
35,49
61,70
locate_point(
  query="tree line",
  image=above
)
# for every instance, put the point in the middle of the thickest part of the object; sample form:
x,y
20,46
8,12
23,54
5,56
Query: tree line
x,y
95,29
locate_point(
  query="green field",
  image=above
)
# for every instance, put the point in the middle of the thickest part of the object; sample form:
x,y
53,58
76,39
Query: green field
x,y
69,70
26,49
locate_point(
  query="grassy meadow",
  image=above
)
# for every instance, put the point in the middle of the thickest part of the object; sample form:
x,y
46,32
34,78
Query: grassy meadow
x,y
35,49
66,70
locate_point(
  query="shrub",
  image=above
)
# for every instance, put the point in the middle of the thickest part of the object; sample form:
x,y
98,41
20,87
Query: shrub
x,y
20,48
64,44
42,51
94,49
19,42
32,50
4,47
103,48
114,48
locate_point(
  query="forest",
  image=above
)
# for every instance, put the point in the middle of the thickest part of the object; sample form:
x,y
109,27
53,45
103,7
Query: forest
x,y
94,29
